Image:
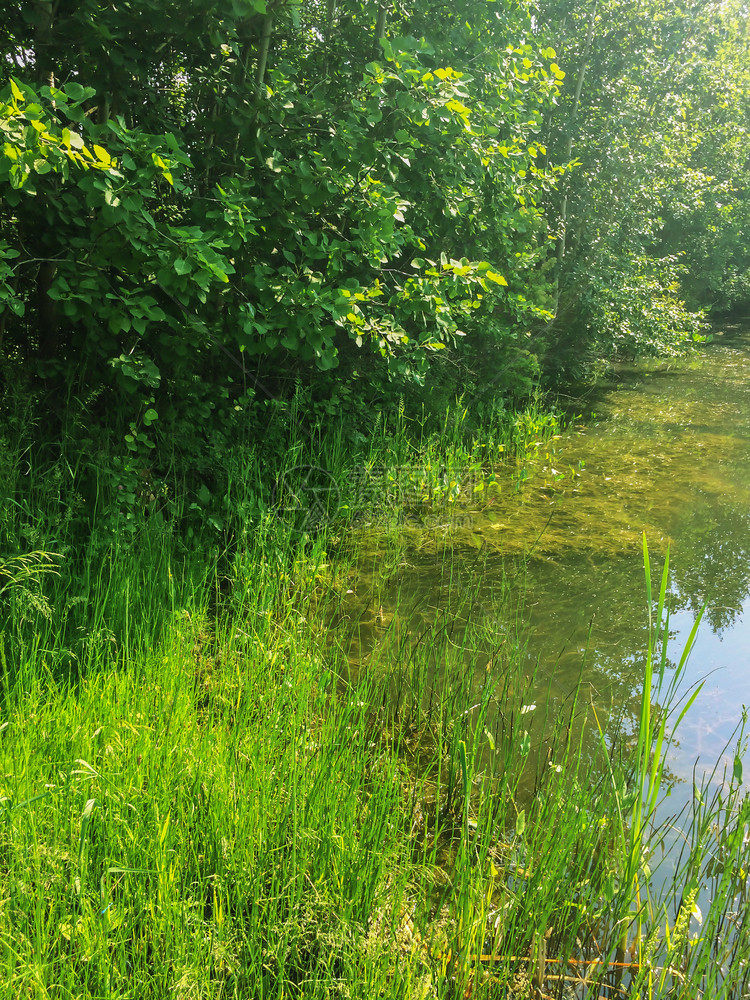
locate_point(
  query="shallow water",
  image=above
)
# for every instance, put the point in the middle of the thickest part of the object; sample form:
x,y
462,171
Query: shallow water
x,y
672,447
664,449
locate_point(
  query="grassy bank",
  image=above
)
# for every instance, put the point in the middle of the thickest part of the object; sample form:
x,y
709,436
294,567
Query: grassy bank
x,y
204,796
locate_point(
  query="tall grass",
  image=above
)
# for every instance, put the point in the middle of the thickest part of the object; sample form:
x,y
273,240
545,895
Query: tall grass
x,y
201,796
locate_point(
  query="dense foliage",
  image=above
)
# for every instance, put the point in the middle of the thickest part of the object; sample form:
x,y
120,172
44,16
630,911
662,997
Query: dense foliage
x,y
209,208
655,111
249,254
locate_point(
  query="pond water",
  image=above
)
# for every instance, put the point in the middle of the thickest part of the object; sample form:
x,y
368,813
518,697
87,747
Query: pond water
x,y
669,454
663,448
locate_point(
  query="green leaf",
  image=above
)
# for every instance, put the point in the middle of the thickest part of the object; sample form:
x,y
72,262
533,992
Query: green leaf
x,y
78,93
102,154
387,48
521,823
737,769
71,139
497,278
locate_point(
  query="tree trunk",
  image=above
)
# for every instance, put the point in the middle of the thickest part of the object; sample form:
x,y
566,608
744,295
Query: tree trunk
x,y
265,43
330,15
328,31
380,26
44,61
563,221
47,317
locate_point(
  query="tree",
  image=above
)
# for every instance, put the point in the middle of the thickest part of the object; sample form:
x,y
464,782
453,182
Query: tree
x,y
312,198
632,126
203,205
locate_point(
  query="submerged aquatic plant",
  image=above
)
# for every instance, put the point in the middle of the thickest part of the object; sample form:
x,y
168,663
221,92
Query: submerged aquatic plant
x,y
221,803
564,888
636,800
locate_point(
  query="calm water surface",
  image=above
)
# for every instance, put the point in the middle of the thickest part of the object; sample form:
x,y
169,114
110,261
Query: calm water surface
x,y
668,454
665,449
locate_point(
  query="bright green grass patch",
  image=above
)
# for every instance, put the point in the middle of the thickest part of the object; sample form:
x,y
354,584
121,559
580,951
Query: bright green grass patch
x,y
202,794
232,814
200,823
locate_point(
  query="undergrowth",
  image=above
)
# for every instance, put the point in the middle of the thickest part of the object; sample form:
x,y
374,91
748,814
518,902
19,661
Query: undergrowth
x,y
204,794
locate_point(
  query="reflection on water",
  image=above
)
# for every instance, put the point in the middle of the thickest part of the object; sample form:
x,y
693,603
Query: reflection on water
x,y
663,449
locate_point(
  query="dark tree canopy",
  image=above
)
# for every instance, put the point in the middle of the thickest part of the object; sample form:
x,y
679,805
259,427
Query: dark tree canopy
x,y
203,203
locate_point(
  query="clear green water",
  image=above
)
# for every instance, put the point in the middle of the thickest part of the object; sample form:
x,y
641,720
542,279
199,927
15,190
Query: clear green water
x,y
663,448
669,455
